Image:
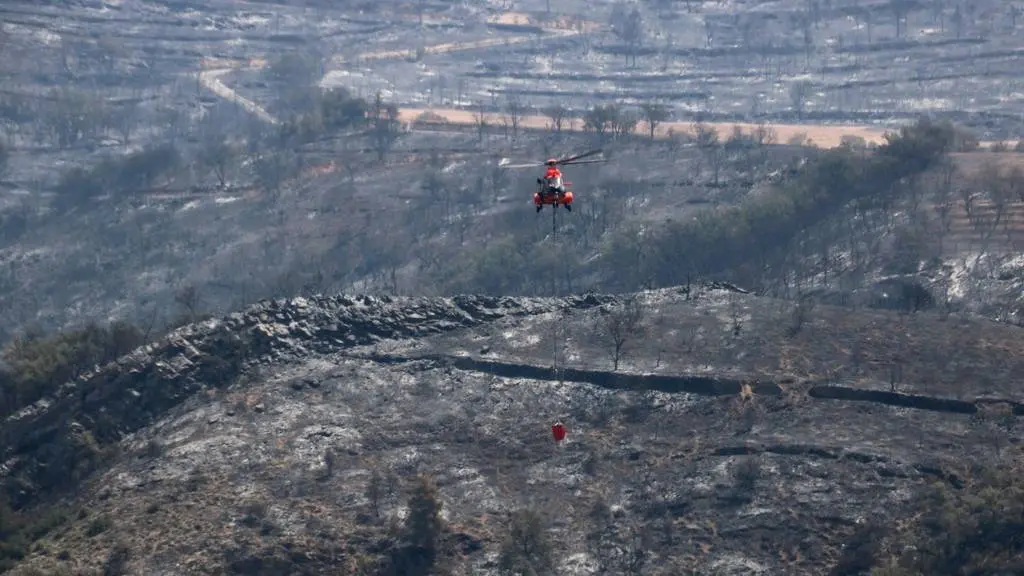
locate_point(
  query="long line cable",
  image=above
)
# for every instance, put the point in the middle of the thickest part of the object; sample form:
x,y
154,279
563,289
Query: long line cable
x,y
559,312
554,288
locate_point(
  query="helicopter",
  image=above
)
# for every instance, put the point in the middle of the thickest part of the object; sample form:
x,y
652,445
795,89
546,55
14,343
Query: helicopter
x,y
551,190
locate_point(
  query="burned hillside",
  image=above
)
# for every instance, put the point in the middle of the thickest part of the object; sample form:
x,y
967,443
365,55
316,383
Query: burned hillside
x,y
284,436
272,300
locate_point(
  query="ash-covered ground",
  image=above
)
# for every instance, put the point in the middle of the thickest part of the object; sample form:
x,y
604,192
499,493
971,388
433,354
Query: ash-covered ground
x,y
267,466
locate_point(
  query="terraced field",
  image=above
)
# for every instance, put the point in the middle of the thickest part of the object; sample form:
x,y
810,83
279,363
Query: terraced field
x,y
729,62
999,229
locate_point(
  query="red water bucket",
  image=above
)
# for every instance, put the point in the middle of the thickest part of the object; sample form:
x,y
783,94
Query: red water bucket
x,y
558,432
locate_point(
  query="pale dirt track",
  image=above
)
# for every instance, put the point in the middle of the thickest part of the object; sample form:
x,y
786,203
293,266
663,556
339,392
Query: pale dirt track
x,y
823,136
211,80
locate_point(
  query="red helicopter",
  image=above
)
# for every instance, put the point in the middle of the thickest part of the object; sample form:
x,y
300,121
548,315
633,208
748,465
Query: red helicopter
x,y
551,190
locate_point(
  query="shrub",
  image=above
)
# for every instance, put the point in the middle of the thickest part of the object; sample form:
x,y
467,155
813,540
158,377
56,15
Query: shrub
x,y
418,551
746,474
527,548
423,525
975,530
35,366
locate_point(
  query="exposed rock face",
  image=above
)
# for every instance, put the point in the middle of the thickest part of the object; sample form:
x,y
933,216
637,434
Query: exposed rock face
x,y
246,445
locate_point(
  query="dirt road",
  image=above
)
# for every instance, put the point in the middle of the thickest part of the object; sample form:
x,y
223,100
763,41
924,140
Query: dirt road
x,y
823,136
210,79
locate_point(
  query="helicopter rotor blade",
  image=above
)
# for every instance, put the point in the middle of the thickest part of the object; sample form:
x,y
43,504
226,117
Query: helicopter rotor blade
x,y
578,156
577,159
585,162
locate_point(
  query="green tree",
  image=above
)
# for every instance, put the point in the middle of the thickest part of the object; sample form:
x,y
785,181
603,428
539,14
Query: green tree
x,y
36,366
628,26
601,120
916,147
421,544
654,114
340,110
385,125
